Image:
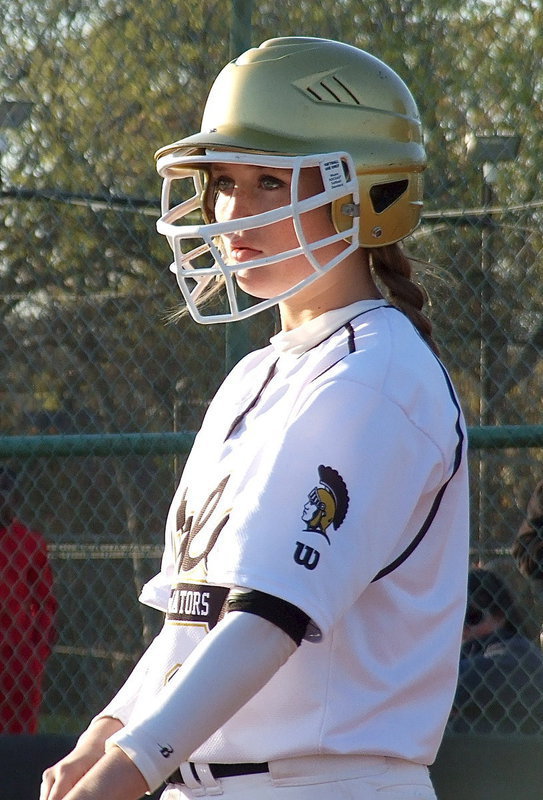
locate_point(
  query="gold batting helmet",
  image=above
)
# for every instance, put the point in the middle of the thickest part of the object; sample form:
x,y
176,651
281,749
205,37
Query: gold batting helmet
x,y
299,96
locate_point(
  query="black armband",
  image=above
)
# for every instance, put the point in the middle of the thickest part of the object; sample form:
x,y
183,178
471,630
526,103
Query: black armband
x,y
289,618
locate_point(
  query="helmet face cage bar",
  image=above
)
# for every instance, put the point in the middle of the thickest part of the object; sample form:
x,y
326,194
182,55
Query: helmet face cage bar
x,y
203,238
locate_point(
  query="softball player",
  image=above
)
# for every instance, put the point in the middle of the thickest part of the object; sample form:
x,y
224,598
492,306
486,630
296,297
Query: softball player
x,y
313,578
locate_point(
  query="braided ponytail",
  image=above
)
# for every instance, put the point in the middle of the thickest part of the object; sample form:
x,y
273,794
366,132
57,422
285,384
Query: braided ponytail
x,y
393,270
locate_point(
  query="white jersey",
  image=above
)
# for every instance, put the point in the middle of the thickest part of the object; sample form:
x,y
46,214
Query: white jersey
x,y
330,471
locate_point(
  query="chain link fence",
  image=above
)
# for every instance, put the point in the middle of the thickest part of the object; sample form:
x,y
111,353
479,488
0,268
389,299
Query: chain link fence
x,y
88,91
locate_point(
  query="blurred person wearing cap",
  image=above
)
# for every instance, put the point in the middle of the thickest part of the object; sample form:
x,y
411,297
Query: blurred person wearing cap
x,y
27,613
500,684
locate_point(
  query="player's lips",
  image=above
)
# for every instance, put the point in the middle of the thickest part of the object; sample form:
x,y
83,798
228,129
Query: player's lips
x,y
241,251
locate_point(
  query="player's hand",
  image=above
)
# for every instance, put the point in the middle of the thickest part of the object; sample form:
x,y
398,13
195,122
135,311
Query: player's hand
x,y
113,777
59,779
63,776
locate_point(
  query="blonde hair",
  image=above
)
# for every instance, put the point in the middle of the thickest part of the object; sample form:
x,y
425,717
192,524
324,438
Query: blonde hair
x,y
394,272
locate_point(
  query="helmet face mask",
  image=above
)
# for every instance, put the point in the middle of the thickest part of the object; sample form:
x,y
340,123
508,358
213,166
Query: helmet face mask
x,y
198,257
303,102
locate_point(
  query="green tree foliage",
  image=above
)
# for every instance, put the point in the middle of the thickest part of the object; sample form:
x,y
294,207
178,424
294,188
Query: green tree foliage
x,y
110,82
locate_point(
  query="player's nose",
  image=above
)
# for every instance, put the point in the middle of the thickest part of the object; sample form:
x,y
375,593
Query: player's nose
x,y
240,202
239,205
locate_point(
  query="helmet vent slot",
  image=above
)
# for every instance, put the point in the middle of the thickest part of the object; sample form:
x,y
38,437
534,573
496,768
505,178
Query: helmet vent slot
x,y
331,89
385,194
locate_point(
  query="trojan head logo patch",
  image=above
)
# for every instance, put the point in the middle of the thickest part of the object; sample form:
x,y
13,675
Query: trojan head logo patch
x,y
327,503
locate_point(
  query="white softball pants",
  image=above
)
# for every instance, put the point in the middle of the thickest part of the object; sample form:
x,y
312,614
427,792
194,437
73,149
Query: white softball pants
x,y
316,778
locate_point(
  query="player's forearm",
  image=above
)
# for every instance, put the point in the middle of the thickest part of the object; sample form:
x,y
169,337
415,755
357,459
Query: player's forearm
x,y
59,779
93,739
233,662
113,777
90,746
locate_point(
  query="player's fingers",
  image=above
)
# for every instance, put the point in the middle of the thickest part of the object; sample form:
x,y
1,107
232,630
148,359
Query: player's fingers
x,y
55,784
45,786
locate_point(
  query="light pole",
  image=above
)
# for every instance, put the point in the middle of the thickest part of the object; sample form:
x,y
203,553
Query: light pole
x,y
488,152
13,113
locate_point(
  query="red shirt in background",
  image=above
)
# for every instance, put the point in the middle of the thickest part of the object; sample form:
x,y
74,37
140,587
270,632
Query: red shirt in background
x,y
27,614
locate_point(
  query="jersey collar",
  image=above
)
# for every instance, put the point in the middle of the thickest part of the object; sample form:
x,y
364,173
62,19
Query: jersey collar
x,y
298,340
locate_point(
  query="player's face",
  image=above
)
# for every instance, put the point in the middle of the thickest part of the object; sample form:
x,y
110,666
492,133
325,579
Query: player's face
x,y
487,624
242,190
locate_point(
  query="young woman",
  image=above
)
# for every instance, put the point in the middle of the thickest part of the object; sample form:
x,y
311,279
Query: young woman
x,y
314,573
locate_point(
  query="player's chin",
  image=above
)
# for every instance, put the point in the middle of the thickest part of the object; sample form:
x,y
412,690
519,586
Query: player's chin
x,y
254,284
272,280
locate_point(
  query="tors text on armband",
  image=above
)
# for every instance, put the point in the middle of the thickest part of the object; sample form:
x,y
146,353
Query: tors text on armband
x,y
194,603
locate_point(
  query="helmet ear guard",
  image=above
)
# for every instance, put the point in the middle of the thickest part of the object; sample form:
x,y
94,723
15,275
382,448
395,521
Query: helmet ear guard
x,y
390,208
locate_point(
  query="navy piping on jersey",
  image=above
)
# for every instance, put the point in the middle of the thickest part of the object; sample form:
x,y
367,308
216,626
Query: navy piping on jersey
x,y
351,344
350,330
458,451
350,337
253,402
351,349
439,496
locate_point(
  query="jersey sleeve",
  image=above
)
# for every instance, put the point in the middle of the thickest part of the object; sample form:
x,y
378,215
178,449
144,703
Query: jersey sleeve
x,y
333,498
122,704
156,591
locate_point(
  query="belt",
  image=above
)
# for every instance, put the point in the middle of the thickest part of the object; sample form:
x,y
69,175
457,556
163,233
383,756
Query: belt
x,y
223,771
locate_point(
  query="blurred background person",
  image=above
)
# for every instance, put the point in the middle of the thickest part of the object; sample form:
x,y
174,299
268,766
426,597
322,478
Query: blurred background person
x,y
527,556
27,613
527,548
500,684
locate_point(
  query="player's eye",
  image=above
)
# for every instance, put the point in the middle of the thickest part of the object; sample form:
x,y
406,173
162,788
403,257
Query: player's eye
x,y
221,184
271,182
